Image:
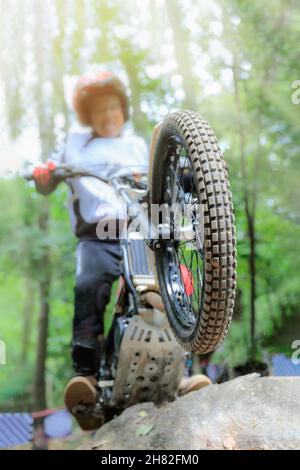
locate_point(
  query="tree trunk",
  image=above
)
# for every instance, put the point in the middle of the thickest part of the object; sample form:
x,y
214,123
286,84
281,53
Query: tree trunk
x,y
252,269
131,68
40,399
249,211
44,287
27,319
183,58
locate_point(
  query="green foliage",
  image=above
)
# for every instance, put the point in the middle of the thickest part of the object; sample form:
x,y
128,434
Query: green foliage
x,y
256,45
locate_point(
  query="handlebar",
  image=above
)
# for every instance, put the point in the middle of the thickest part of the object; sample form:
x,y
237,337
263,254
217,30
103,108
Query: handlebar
x,y
63,172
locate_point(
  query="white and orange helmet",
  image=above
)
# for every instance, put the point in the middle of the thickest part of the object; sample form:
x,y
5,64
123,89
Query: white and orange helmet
x,y
89,86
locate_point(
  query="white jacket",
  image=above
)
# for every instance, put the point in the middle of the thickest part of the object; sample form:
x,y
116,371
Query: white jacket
x,y
90,199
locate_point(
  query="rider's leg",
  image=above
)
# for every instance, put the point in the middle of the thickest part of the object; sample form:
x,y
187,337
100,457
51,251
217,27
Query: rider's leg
x,y
98,266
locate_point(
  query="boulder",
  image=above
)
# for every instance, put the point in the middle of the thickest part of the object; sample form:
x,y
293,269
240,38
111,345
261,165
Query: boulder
x,y
249,412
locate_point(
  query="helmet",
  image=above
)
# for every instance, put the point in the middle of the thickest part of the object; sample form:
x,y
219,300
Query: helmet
x,y
89,86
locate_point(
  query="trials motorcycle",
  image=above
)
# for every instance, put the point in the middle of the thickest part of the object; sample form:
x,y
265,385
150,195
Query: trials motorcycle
x,y
177,290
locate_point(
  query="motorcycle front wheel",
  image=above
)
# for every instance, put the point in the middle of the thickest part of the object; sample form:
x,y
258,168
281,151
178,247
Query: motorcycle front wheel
x,y
196,264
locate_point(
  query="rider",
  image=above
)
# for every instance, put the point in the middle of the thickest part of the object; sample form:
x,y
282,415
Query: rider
x,y
102,148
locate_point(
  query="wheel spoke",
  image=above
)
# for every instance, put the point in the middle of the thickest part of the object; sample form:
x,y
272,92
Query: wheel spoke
x,y
181,190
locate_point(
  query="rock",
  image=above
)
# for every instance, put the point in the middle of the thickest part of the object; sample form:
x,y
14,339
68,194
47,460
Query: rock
x,y
249,412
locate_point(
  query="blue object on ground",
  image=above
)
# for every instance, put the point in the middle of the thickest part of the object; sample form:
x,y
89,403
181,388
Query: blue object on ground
x,y
15,429
58,424
284,366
